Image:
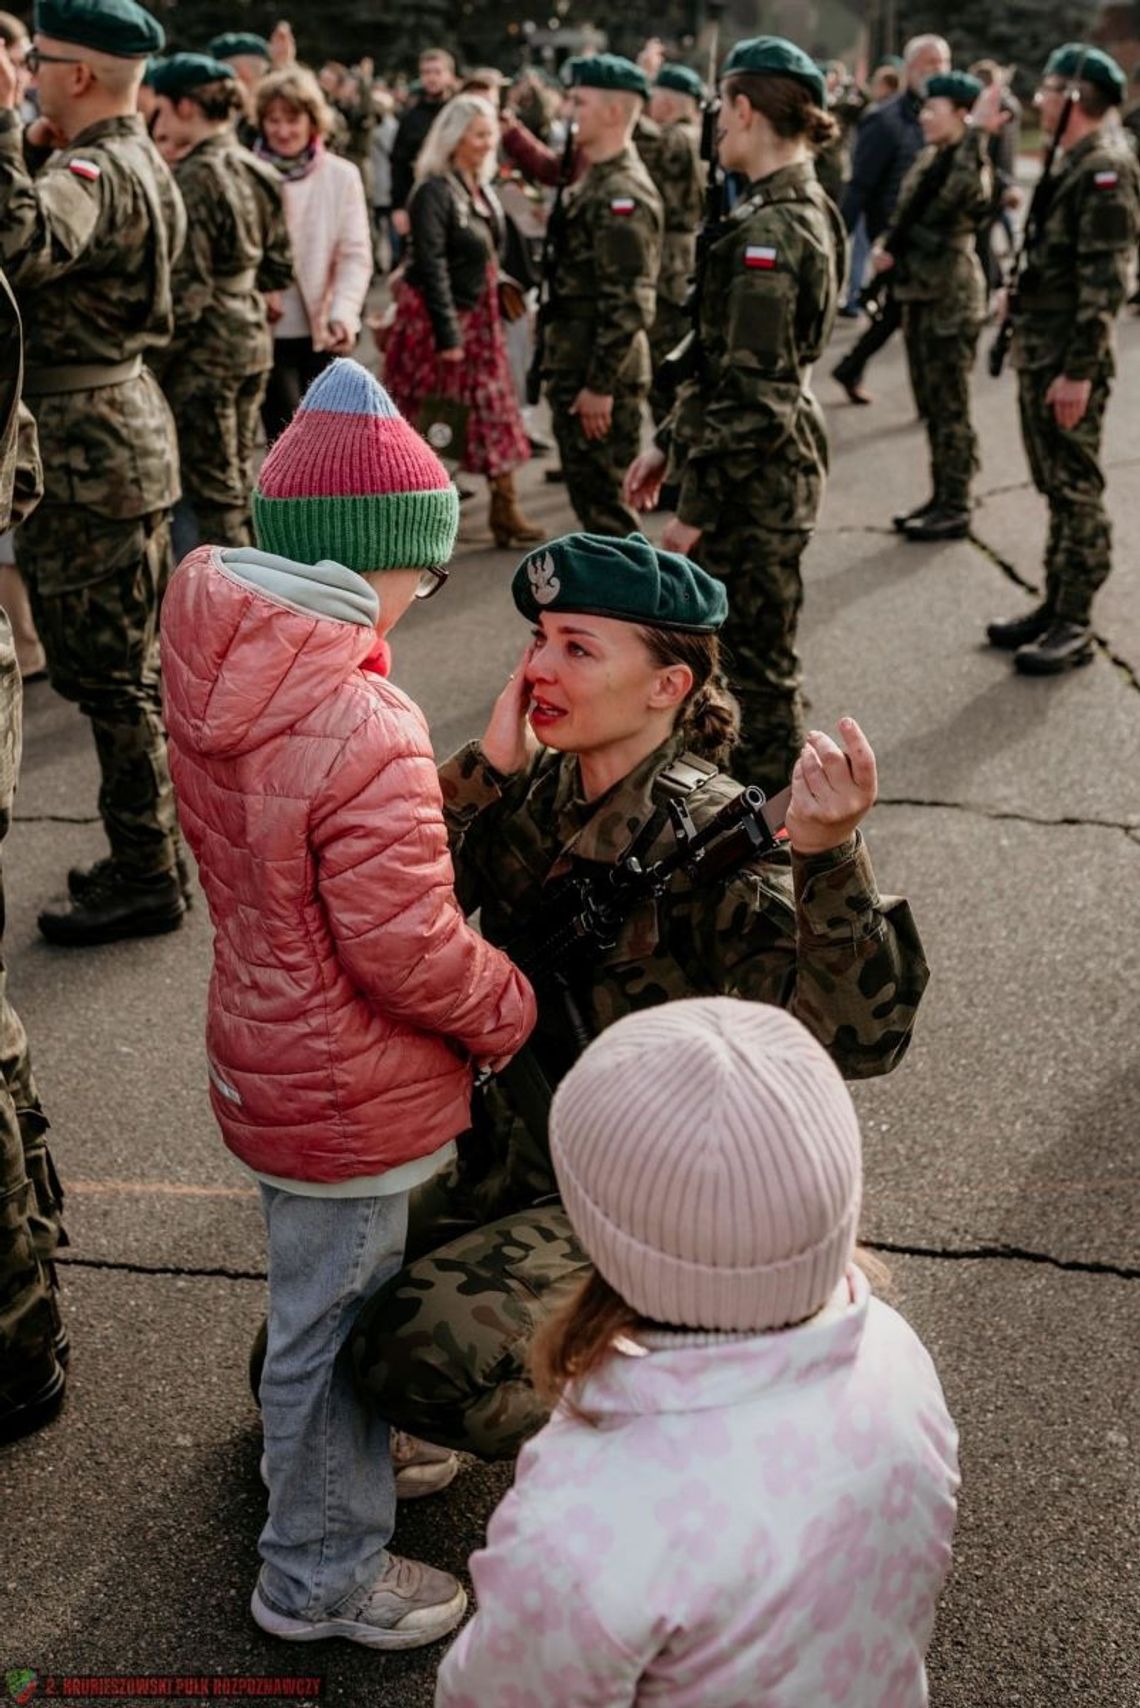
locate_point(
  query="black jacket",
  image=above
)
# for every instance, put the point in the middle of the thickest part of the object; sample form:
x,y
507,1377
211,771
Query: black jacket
x,y
406,144
888,140
451,242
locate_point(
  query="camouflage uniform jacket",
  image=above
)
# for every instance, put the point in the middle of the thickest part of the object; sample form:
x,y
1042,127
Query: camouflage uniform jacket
x,y
1075,277
88,244
673,161
768,301
811,935
237,247
939,260
602,293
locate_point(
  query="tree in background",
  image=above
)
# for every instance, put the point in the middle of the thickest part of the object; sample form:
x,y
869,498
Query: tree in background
x,y
1021,33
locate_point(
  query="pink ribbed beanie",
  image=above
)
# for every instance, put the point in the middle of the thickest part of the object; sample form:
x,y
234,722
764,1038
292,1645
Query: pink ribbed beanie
x,y
708,1155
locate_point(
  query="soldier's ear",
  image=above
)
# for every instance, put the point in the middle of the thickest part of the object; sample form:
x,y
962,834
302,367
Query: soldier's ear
x,y
671,687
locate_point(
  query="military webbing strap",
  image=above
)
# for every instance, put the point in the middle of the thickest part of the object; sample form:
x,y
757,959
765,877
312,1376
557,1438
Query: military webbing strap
x,y
79,376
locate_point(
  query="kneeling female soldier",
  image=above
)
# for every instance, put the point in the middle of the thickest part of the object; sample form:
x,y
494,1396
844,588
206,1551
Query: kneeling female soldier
x,y
621,686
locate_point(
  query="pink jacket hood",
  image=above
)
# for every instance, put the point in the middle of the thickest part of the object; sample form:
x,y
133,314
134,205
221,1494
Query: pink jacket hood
x,y
349,997
259,651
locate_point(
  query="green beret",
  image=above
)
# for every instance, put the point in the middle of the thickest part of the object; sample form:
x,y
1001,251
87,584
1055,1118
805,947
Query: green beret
x,y
118,27
682,79
891,61
238,44
182,72
628,579
1095,66
772,56
956,86
608,71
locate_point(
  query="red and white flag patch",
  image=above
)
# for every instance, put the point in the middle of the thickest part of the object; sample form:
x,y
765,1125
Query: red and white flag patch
x,y
1106,180
85,169
760,255
622,205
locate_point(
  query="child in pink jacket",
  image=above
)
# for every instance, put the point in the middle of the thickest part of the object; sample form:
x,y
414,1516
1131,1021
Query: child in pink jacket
x,y
349,999
747,1494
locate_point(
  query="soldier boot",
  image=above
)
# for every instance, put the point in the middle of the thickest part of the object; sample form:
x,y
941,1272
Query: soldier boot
x,y
117,904
1063,646
80,879
1020,631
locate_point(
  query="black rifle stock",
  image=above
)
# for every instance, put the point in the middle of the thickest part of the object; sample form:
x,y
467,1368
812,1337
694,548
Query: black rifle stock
x,y
897,239
683,361
551,245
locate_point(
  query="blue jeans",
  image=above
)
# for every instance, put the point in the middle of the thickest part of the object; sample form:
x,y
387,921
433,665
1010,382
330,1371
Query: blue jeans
x,y
860,251
332,1498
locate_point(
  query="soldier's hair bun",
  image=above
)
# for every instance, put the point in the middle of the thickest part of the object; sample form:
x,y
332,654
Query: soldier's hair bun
x,y
786,104
710,717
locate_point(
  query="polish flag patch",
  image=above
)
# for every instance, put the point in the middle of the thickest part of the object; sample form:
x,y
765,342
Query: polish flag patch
x,y
1106,180
622,205
85,169
759,255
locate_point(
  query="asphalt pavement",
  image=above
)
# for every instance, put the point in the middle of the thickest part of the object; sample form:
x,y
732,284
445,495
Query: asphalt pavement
x,y
1003,1180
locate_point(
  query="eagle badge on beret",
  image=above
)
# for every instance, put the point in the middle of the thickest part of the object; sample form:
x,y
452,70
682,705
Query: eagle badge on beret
x,y
544,584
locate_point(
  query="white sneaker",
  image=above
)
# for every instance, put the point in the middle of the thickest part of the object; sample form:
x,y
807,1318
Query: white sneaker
x,y
420,1467
408,1606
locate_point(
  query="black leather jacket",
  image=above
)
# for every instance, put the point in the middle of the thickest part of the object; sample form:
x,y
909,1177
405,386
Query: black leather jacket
x,y
452,241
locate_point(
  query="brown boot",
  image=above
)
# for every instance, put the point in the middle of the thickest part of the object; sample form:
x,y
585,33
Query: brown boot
x,y
508,524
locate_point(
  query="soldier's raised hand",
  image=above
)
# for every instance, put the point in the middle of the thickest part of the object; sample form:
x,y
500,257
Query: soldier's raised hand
x,y
509,743
643,479
833,789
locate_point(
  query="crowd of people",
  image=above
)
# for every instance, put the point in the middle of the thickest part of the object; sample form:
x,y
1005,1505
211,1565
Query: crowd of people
x,y
736,1470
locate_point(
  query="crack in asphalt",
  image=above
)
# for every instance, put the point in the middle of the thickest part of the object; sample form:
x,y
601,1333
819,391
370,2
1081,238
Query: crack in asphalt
x,y
1130,827
895,1248
52,818
1004,1254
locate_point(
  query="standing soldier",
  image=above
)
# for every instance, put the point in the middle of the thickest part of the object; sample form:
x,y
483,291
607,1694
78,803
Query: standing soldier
x,y
216,367
1080,241
251,58
596,361
748,444
33,1341
930,254
88,241
676,170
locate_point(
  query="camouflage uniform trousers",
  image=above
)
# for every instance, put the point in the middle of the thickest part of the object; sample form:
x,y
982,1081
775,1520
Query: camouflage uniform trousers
x,y
941,365
217,425
1065,466
760,566
31,1199
441,1350
95,586
595,468
670,324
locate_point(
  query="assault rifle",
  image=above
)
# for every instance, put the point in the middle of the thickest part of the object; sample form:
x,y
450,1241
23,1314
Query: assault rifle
x,y
1039,205
551,248
582,920
871,297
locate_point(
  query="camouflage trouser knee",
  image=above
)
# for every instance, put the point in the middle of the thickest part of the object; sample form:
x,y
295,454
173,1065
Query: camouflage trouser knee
x,y
31,1200
941,366
217,420
765,592
95,587
441,1350
595,468
670,324
1065,466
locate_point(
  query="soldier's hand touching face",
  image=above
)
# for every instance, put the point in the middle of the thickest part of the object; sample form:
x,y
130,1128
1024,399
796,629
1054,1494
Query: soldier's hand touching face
x,y
833,789
1068,399
508,741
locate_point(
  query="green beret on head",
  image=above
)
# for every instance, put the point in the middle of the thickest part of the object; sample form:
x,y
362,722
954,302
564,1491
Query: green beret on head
x,y
682,79
773,56
239,44
956,86
892,61
182,72
628,579
1095,66
608,71
118,27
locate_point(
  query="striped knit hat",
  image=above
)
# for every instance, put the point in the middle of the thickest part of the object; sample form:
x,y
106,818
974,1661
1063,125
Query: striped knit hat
x,y
350,480
708,1156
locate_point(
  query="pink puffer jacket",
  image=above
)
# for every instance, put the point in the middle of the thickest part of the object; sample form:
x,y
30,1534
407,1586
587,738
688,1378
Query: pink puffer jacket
x,y
348,994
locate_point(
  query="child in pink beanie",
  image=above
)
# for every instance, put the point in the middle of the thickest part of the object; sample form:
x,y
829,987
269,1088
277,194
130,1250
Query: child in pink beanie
x,y
747,1494
349,998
